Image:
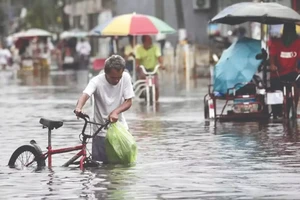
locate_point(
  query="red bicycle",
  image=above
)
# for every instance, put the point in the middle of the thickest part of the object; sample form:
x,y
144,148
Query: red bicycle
x,y
32,155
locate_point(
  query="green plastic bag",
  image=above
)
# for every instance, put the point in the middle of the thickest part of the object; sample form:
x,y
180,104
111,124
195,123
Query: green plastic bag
x,y
120,145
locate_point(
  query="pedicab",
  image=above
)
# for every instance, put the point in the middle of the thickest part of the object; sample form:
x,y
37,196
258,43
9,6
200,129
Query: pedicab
x,y
33,50
244,95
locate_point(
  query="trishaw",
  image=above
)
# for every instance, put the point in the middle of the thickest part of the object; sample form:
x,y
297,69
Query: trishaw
x,y
34,56
245,96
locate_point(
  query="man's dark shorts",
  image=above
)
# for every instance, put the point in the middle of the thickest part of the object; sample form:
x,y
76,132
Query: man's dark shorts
x,y
98,149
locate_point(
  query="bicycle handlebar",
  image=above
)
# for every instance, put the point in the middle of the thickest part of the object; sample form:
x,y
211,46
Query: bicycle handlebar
x,y
287,82
86,118
82,115
149,73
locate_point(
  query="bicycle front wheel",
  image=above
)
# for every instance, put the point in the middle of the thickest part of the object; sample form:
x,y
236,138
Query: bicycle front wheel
x,y
151,95
26,156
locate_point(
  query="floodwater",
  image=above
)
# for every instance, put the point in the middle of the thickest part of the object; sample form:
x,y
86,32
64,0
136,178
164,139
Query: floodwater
x,y
181,156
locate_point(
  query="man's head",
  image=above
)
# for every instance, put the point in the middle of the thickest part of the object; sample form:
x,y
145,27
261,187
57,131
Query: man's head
x,y
114,67
147,41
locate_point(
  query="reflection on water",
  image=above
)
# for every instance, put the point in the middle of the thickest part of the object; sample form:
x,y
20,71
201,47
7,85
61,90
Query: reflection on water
x,y
181,156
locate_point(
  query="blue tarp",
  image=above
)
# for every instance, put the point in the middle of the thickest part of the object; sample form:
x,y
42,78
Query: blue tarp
x,y
237,64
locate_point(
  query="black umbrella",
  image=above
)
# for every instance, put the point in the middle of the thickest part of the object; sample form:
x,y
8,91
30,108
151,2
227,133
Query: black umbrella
x,y
265,13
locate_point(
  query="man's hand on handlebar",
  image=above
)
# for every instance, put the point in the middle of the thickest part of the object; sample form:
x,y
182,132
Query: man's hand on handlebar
x,y
78,112
273,68
162,67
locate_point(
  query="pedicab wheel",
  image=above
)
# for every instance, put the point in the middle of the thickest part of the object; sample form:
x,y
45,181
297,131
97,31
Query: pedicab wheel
x,y
26,156
292,114
206,109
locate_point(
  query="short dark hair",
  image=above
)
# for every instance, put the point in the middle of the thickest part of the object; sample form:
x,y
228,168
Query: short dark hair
x,y
114,62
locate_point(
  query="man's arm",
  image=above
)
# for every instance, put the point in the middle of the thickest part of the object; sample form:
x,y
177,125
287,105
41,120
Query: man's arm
x,y
273,67
137,63
81,102
113,116
273,50
160,61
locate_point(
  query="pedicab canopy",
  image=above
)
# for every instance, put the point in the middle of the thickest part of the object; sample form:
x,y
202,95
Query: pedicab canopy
x,y
237,64
262,12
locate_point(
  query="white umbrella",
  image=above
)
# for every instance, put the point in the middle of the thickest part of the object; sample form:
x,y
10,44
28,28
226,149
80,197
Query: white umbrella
x,y
15,36
73,33
34,32
37,32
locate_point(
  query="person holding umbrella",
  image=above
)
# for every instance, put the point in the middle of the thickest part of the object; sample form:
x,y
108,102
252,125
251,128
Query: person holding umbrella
x,y
284,58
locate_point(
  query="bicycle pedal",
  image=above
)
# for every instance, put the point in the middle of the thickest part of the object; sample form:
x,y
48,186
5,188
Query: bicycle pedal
x,y
91,163
75,163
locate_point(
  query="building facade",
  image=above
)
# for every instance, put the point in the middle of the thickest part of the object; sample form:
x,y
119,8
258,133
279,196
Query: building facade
x,y
86,14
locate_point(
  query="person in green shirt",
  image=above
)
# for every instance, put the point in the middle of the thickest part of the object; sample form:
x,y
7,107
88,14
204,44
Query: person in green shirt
x,y
149,56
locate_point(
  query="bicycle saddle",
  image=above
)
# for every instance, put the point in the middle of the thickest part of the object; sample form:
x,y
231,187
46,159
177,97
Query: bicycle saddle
x,y
50,123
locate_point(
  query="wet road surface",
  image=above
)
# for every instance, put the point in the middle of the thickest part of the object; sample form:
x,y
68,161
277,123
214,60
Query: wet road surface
x,y
181,156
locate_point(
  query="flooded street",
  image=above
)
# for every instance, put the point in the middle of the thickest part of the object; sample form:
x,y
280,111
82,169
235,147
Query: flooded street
x,y
180,155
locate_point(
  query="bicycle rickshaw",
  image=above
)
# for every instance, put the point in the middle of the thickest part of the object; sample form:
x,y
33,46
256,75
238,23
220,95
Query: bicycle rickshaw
x,y
247,97
34,56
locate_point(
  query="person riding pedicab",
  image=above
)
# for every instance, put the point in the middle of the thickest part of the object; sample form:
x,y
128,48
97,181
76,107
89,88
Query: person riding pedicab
x,y
284,57
149,56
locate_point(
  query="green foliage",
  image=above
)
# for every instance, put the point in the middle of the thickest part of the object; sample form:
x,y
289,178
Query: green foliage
x,y
43,14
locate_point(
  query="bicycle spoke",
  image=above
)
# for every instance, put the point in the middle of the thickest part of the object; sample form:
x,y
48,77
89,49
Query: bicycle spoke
x,y
24,159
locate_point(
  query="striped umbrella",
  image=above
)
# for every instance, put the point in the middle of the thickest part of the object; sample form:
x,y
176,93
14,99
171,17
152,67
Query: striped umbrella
x,y
132,24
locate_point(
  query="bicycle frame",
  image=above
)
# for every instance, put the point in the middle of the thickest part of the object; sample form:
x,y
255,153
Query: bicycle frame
x,y
82,153
288,94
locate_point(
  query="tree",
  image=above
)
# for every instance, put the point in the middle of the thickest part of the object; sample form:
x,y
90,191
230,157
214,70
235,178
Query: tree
x,y
43,14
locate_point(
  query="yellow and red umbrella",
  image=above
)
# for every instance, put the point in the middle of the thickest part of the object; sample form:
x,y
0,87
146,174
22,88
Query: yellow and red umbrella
x,y
132,24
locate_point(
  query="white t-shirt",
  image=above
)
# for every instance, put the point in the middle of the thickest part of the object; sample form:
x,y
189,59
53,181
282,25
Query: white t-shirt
x,y
83,48
4,56
108,97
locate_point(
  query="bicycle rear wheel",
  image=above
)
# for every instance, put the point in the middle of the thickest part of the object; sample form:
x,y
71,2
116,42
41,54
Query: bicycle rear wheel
x,y
26,156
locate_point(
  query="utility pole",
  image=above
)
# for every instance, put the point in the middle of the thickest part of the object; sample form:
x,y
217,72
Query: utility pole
x,y
160,9
179,14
